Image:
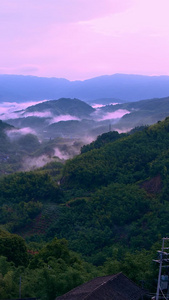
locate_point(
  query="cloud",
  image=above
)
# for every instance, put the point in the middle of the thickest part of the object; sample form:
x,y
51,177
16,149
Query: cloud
x,y
58,11
24,69
38,162
112,115
46,114
88,139
35,162
21,69
13,110
130,21
15,134
95,105
61,154
98,105
123,130
80,39
63,118
46,39
8,110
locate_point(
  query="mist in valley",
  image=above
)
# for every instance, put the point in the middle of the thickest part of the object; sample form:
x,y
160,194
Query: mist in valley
x,y
41,137
47,131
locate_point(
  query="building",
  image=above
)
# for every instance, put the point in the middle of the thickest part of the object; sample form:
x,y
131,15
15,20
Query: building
x,y
113,287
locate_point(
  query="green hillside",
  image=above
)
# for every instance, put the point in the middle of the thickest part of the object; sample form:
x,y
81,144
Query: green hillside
x,y
127,160
45,272
110,203
144,112
117,194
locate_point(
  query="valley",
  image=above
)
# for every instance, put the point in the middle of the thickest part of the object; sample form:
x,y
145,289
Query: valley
x,y
101,201
84,150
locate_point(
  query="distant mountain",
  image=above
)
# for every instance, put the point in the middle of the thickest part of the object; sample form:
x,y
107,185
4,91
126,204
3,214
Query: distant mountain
x,y
5,126
32,122
153,105
119,86
145,112
62,117
74,118
63,106
104,101
71,129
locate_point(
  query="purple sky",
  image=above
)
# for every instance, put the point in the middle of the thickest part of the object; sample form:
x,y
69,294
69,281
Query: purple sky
x,y
80,39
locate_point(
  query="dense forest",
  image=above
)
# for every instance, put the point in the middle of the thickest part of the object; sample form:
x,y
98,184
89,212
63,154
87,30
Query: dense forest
x,y
102,212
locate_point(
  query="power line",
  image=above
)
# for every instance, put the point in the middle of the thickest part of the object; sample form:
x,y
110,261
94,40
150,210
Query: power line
x,y
162,283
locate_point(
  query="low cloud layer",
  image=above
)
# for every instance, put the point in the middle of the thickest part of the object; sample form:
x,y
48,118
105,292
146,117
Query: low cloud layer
x,y
13,110
46,114
16,110
32,163
61,154
35,162
96,105
100,116
15,134
114,115
63,118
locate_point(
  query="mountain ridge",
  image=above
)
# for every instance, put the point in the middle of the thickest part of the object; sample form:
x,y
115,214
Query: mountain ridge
x,y
127,87
91,121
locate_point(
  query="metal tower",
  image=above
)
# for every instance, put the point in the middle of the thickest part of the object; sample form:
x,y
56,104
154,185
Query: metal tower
x,y
163,278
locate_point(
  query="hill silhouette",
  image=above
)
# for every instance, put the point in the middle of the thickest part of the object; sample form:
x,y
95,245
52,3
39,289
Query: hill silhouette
x,y
119,86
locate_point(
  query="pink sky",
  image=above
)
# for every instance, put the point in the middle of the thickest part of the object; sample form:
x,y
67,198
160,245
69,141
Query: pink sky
x,y
80,39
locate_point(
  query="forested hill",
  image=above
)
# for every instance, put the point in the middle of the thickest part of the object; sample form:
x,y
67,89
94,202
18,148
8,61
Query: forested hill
x,y
110,203
5,126
63,106
144,112
117,193
127,160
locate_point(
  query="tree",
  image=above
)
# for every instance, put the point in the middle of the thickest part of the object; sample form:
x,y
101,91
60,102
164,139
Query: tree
x,y
14,248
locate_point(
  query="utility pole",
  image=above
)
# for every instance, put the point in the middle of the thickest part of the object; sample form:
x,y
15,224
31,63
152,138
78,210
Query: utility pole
x,y
162,259
20,287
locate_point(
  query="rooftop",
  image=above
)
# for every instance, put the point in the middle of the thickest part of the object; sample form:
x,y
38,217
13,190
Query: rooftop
x,y
113,287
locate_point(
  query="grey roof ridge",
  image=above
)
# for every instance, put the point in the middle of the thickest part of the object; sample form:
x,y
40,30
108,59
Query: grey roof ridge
x,y
113,277
98,287
86,283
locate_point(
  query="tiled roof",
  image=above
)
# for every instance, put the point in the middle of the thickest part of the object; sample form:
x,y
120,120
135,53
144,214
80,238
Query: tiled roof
x,y
113,287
